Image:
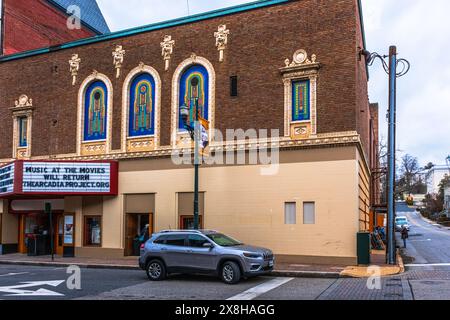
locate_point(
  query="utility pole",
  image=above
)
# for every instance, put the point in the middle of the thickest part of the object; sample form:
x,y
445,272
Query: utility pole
x,y
391,69
391,248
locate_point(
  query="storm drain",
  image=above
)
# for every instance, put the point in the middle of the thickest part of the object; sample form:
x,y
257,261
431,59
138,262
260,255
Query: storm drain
x,y
393,284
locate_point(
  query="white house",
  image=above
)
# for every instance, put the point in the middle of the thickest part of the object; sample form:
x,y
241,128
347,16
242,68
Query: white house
x,y
434,177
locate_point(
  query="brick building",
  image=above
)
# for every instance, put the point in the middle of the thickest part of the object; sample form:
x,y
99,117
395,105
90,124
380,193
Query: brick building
x,y
32,24
287,65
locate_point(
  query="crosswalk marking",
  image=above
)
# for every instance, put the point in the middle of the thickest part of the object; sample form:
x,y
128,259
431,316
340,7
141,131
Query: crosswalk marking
x,y
13,274
255,292
428,265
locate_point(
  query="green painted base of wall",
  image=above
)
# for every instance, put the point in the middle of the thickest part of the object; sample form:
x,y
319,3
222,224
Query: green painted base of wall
x,y
8,248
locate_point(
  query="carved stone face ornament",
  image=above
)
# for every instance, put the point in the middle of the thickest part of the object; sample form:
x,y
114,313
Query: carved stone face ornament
x,y
24,101
300,58
167,50
74,64
118,57
221,40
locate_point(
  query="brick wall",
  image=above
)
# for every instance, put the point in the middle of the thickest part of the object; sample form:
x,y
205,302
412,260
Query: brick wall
x,y
32,24
362,98
260,41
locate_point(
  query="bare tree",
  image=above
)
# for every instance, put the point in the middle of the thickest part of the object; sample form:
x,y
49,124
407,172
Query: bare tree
x,y
409,181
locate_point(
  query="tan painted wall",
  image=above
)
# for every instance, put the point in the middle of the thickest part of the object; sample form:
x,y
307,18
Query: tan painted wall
x,y
9,225
364,196
113,222
241,202
74,205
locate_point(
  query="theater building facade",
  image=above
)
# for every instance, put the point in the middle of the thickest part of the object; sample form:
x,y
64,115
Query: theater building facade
x,y
93,128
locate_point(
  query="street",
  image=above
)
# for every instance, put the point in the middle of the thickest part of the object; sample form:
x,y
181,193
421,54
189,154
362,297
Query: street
x,y
31,283
427,276
428,245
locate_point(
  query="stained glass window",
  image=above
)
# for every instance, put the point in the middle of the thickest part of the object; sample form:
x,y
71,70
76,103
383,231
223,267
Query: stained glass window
x,y
142,106
194,97
23,132
95,113
301,110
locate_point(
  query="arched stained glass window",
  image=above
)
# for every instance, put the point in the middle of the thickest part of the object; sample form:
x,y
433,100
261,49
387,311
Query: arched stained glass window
x,y
95,112
194,96
142,106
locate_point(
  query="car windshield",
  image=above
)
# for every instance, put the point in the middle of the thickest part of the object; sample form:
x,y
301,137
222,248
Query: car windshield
x,y
402,221
223,240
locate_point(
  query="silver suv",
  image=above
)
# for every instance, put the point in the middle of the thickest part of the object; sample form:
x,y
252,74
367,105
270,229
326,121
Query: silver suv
x,y
205,251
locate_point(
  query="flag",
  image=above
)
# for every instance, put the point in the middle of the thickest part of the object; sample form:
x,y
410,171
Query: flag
x,y
204,127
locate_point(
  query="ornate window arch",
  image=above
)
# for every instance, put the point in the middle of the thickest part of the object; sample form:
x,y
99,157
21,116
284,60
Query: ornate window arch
x,y
193,67
300,95
140,132
95,105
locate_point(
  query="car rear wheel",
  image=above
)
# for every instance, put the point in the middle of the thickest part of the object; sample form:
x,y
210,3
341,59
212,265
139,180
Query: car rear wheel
x,y
156,271
230,273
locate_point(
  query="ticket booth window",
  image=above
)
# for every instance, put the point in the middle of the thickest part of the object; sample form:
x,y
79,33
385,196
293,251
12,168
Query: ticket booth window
x,y
92,233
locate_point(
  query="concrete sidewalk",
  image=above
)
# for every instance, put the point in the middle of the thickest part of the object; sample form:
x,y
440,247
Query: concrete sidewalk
x,y
131,263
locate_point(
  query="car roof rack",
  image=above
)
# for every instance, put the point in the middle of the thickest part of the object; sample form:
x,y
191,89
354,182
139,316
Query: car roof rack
x,y
184,230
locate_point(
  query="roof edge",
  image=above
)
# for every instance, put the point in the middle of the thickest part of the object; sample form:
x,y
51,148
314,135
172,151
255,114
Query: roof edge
x,y
147,28
363,32
83,22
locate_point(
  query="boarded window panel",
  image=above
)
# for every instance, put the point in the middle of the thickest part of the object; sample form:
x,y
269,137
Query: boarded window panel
x,y
309,213
290,213
93,205
186,203
140,203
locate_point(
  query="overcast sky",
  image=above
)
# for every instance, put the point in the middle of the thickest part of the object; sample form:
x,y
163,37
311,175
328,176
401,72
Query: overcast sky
x,y
421,32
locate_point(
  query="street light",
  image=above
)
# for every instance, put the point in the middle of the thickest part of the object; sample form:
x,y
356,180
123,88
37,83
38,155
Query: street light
x,y
448,163
391,69
194,132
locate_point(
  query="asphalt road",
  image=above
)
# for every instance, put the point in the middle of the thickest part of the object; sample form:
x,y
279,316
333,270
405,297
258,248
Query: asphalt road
x,y
427,255
31,283
429,244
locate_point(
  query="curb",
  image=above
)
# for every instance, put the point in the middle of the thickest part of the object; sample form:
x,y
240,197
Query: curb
x,y
306,274
65,264
276,273
400,262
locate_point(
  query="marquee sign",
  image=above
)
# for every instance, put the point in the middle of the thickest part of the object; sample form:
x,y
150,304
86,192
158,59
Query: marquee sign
x,y
59,178
7,179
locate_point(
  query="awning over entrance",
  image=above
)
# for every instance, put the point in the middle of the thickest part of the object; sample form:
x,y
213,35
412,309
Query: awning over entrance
x,y
63,178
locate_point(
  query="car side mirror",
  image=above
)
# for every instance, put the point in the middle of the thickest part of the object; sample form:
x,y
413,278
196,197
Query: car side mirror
x,y
208,245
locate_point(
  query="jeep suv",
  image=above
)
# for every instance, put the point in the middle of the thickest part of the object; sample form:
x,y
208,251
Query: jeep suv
x,y
205,251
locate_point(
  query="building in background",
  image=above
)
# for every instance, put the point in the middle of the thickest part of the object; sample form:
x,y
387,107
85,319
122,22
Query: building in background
x,y
281,65
434,176
32,24
447,199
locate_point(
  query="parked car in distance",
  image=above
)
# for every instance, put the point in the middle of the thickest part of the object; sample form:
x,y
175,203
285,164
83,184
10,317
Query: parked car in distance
x,y
203,252
400,222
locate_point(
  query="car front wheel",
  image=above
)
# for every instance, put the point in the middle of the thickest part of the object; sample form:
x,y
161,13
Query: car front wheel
x,y
156,271
230,273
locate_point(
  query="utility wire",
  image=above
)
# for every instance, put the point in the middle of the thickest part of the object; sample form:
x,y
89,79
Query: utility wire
x,y
188,7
